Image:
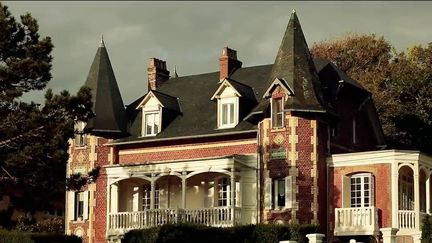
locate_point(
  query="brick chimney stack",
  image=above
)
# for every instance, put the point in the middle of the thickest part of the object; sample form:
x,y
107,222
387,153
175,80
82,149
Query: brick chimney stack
x,y
157,73
228,63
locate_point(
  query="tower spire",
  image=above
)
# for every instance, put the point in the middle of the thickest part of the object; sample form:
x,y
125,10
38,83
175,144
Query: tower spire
x,y
294,65
102,43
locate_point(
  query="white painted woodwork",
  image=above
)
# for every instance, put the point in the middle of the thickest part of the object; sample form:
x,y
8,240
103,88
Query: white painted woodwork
x,y
356,221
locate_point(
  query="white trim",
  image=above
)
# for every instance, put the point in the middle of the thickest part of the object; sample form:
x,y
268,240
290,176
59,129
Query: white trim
x,y
275,82
379,157
157,116
146,98
225,83
282,111
235,105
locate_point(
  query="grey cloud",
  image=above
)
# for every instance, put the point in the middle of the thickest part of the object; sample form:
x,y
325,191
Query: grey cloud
x,y
192,34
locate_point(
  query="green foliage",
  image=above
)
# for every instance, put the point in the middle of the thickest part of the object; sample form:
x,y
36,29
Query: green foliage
x,y
33,137
401,84
16,236
426,236
49,225
261,233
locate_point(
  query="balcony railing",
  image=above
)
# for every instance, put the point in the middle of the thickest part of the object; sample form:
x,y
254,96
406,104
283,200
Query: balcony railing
x,y
407,219
356,221
218,216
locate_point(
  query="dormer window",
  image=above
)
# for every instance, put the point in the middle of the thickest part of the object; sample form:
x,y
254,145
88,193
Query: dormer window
x,y
277,112
228,115
152,123
80,137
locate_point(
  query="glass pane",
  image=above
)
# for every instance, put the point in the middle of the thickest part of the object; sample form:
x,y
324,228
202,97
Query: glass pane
x,y
231,108
224,114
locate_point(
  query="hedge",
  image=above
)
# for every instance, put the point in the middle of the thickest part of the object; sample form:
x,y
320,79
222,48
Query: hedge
x,y
188,233
16,236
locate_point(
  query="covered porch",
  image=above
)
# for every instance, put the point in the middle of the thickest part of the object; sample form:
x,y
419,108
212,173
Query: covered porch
x,y
216,192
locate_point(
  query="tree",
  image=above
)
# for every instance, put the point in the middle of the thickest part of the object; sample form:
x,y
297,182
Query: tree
x,y
33,138
399,82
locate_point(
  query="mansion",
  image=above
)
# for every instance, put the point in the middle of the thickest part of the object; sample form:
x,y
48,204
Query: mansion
x,y
295,141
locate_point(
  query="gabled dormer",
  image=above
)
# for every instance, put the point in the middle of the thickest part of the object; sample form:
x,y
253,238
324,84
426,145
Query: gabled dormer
x,y
158,109
278,94
234,101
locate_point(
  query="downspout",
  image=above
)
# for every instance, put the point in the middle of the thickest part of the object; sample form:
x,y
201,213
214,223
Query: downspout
x,y
258,173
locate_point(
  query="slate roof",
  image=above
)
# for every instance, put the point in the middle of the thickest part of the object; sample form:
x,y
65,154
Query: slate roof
x,y
110,119
294,65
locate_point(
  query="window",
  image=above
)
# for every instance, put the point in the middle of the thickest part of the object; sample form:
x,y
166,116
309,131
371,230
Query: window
x,y
277,112
146,196
151,123
406,192
361,190
223,192
227,113
282,193
80,137
81,205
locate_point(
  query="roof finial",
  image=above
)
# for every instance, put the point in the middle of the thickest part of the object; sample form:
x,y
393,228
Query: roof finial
x,y
102,44
293,11
175,75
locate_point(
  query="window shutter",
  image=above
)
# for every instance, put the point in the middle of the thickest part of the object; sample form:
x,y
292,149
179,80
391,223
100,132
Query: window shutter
x,y
238,195
288,192
346,192
267,193
71,205
86,204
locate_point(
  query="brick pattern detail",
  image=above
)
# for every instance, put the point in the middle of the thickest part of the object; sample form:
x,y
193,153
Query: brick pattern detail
x,y
187,153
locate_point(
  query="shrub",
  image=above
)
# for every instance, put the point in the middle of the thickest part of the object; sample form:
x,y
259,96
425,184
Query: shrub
x,y
426,236
14,236
189,233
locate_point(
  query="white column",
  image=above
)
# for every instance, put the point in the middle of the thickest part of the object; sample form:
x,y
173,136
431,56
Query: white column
x,y
389,235
417,196
183,189
428,194
395,195
233,192
114,198
152,193
315,238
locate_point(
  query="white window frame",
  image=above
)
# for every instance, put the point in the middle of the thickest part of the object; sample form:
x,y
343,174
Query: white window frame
x,y
80,137
282,112
286,183
223,192
362,189
146,198
235,106
155,112
81,201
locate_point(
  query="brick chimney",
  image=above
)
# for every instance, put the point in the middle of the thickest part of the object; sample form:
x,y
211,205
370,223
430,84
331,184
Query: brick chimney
x,y
228,63
157,73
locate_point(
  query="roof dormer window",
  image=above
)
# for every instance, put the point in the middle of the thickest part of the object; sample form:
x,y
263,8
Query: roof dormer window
x,y
80,137
277,112
152,123
228,112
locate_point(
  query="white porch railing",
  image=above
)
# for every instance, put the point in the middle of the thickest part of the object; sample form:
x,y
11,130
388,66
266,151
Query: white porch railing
x,y
219,216
407,219
356,221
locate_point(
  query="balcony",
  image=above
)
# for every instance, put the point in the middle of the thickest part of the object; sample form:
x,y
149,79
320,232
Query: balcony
x,y
356,221
218,216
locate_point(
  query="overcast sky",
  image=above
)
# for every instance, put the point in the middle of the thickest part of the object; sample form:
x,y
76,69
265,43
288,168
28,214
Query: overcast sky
x,y
191,35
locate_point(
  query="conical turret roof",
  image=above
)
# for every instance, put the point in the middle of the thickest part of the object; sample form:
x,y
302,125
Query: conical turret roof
x,y
294,66
110,119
